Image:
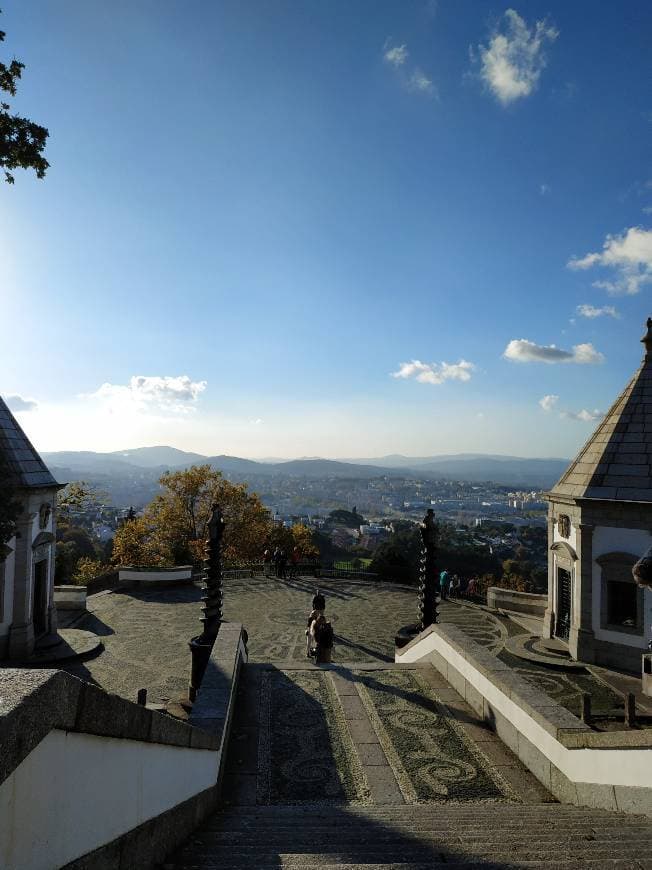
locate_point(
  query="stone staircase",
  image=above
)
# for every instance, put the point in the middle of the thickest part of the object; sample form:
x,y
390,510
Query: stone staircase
x,y
416,838
385,766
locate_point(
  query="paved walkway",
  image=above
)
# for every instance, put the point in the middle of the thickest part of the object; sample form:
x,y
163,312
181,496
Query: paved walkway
x,y
368,735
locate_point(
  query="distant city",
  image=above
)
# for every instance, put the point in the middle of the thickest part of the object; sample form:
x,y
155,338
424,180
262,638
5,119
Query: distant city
x,y
459,488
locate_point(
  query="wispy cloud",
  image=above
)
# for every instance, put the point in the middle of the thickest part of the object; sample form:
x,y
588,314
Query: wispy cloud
x,y
161,393
419,81
18,404
396,55
523,351
583,416
515,56
548,402
415,80
628,256
435,373
592,312
544,189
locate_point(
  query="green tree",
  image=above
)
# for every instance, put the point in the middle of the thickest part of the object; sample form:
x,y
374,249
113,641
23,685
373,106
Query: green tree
x,y
350,519
76,500
21,141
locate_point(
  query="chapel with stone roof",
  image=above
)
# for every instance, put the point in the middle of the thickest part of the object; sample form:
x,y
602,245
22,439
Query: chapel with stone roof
x,y
599,525
27,610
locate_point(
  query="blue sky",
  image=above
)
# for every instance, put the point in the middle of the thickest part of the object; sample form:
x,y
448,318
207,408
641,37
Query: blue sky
x,y
327,228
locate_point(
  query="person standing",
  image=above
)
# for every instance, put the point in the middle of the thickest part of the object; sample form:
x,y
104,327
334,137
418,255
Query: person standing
x,y
443,584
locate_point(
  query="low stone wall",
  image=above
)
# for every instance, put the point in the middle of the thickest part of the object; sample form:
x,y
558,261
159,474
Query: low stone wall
x,y
70,597
579,766
518,602
155,577
140,780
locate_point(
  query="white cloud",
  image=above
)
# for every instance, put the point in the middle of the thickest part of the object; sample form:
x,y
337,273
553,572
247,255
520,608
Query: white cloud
x,y
548,402
397,55
257,422
628,255
521,350
544,189
513,60
435,373
419,81
647,209
163,393
592,312
583,416
18,404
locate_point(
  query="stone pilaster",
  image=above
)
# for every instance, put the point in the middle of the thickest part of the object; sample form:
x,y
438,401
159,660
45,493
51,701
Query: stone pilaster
x,y
581,637
21,633
549,616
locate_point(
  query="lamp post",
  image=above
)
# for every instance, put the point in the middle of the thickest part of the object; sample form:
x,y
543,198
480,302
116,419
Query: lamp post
x,y
201,646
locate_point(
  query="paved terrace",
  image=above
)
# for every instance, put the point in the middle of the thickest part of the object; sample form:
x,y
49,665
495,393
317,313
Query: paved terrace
x,y
145,634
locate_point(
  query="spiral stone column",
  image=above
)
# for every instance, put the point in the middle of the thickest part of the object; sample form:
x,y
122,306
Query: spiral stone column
x,y
201,646
428,583
428,614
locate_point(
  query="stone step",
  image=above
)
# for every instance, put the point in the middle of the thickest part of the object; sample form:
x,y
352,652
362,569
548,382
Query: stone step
x,y
572,864
516,838
369,853
493,859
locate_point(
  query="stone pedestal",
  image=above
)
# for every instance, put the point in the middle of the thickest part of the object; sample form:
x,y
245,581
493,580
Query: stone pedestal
x,y
646,677
21,641
580,644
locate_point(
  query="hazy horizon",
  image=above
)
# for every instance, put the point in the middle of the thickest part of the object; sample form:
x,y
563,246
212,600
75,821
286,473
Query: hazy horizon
x,y
352,459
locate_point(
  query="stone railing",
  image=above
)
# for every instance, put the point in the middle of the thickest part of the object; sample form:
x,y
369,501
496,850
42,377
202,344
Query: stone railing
x,y
87,777
611,770
526,603
154,577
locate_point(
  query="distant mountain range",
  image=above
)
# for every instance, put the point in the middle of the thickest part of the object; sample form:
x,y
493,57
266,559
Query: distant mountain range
x,y
474,467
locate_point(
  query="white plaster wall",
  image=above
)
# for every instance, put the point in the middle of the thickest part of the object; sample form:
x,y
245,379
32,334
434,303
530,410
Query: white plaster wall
x,y
7,591
154,576
608,539
76,792
618,767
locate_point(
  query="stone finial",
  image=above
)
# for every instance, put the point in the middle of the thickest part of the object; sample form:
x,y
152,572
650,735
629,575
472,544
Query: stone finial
x,y
647,340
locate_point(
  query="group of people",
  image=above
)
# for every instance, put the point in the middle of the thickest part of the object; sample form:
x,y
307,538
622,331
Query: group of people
x,y
279,559
453,586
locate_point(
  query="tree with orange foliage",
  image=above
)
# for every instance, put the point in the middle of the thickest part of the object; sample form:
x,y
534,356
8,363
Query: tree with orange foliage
x,y
173,527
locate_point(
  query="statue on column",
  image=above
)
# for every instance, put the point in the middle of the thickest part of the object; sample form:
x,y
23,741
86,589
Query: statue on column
x,y
428,572
213,575
201,646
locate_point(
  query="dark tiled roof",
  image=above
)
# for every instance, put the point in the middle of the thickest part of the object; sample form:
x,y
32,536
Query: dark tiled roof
x,y
616,461
21,457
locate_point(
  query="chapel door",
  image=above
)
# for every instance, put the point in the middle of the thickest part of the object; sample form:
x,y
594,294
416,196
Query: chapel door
x,y
40,598
562,625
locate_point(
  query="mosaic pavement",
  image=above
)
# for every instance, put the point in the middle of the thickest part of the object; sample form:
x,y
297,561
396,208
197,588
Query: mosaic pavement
x,y
566,688
146,632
